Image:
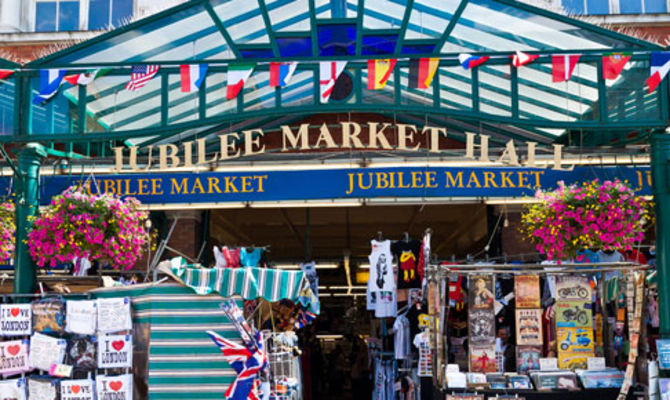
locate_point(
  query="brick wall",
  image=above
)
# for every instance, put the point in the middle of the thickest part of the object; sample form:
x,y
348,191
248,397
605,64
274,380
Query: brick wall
x,y
187,235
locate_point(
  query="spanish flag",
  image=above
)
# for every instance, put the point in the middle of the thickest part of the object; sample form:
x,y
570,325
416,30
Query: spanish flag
x,y
379,72
421,72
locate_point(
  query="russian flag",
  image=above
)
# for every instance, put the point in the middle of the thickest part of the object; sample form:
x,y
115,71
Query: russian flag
x,y
281,73
192,76
469,61
660,65
50,80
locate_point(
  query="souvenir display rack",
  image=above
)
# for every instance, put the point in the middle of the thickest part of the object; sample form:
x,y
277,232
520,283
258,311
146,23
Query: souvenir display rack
x,y
587,311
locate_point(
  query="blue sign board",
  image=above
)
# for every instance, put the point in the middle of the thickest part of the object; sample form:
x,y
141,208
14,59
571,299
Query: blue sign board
x,y
663,349
346,183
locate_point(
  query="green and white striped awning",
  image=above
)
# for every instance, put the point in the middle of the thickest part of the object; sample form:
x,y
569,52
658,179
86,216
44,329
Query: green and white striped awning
x,y
174,358
249,283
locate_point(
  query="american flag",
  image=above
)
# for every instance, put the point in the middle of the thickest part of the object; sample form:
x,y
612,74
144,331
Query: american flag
x,y
246,363
140,75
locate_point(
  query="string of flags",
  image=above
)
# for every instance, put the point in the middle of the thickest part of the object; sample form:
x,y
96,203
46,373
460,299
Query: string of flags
x,y
421,73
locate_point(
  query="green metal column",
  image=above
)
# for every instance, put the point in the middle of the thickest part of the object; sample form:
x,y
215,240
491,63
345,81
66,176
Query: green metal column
x,y
660,169
27,204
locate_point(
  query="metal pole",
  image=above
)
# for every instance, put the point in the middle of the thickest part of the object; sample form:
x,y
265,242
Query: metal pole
x,y
660,164
308,244
27,205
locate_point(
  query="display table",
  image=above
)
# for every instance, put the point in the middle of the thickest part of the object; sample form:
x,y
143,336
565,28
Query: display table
x,y
585,394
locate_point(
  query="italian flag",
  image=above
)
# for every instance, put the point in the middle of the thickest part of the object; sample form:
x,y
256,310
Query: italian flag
x,y
237,75
86,77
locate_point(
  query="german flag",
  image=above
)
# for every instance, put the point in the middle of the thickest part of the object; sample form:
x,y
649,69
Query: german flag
x,y
421,72
379,72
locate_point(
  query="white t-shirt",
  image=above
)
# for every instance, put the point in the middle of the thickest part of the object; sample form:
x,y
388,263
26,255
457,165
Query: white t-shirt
x,y
401,337
422,342
387,305
381,273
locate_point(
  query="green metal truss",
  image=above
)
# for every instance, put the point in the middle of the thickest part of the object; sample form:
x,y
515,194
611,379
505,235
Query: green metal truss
x,y
89,121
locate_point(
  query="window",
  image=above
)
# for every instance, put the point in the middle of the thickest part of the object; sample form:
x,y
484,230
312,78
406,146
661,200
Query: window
x,y
103,14
56,15
597,7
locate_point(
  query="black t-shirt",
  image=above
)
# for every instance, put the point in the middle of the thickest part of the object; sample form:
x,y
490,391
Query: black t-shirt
x,y
407,253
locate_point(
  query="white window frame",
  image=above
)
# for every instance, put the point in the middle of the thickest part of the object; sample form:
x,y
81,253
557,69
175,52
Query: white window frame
x,y
84,7
111,8
33,13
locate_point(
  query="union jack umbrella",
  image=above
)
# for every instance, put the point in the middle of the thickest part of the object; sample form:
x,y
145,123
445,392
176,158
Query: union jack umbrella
x,y
246,363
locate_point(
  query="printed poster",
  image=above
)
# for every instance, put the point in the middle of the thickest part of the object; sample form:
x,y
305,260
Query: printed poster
x,y
483,358
569,360
42,389
46,351
573,314
114,315
14,357
15,319
527,291
14,389
481,326
663,348
114,387
529,327
528,358
481,292
575,288
115,351
77,389
664,385
81,317
575,340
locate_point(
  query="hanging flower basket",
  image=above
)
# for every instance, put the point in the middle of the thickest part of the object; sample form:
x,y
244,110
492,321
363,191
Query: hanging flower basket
x,y
98,227
606,216
7,229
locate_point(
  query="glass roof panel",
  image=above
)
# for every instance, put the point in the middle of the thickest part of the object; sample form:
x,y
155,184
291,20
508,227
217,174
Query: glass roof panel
x,y
522,30
243,20
7,92
429,18
383,14
322,8
289,16
178,35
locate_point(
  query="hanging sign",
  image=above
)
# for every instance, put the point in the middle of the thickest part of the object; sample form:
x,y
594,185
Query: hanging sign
x,y
81,317
41,389
115,351
15,319
527,291
46,351
114,387
343,183
663,348
14,357
14,389
77,389
114,315
529,326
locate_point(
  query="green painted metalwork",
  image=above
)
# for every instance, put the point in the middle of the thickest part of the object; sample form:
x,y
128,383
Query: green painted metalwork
x,y
27,204
660,168
222,29
451,26
268,27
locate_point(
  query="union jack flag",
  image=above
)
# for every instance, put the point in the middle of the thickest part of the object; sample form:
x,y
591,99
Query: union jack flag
x,y
246,363
304,318
140,75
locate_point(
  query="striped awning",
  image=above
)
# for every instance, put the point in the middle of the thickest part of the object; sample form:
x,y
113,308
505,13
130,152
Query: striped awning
x,y
249,283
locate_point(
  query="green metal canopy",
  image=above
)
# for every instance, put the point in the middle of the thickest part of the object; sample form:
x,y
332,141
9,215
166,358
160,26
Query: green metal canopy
x,y
495,98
